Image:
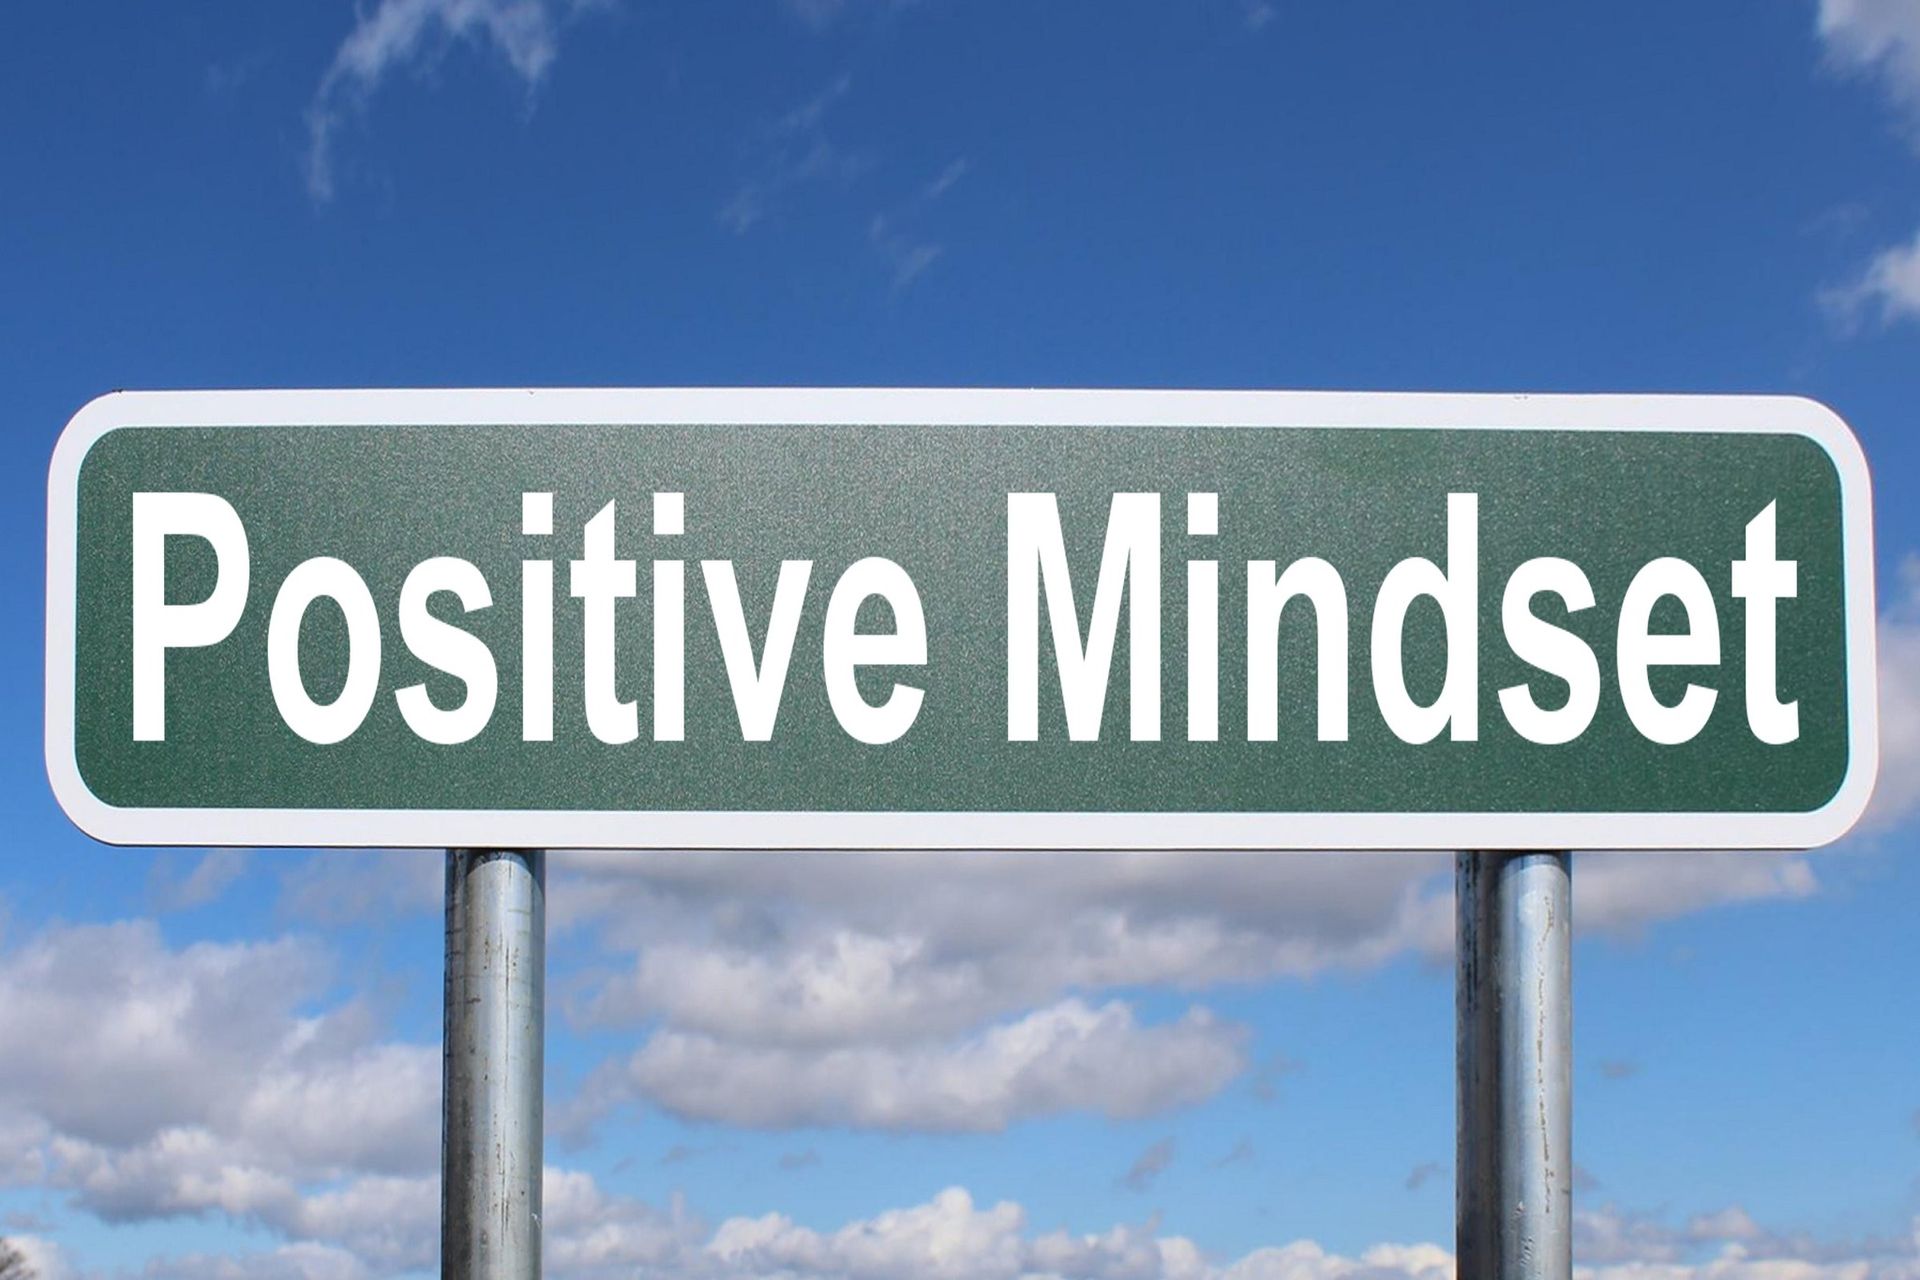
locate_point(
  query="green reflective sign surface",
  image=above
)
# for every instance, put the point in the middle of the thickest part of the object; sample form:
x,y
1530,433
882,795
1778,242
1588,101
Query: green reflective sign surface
x,y
929,481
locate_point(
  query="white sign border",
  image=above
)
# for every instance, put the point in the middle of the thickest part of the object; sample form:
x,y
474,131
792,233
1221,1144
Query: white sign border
x,y
520,828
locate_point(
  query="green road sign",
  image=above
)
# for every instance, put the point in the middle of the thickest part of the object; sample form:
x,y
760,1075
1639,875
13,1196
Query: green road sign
x,y
937,619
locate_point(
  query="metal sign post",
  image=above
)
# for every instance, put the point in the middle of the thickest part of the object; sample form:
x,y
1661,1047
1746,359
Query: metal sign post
x,y
491,1141
1513,1176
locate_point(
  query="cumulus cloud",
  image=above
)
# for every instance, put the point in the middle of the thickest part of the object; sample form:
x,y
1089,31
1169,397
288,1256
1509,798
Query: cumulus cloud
x,y
374,1226
1613,1244
953,1236
796,948
954,992
588,1233
148,1081
394,33
906,975
1068,1056
288,1262
948,1238
44,1259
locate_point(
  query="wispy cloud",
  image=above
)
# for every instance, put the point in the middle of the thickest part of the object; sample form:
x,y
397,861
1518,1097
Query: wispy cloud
x,y
1886,290
1422,1174
211,876
1881,39
394,33
1266,1081
1242,1153
1619,1069
1150,1164
223,79
821,14
798,151
908,255
794,152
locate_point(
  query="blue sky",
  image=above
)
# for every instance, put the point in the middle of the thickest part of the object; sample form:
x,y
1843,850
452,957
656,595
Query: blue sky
x,y
226,1064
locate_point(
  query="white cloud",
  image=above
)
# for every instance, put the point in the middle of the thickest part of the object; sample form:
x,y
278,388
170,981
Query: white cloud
x,y
588,1233
832,989
149,1082
288,1262
181,1170
395,32
1305,1260
952,1236
1623,893
1888,289
1878,37
832,948
947,1238
797,989
391,1223
376,1226
591,1234
110,1035
43,1256
1069,1056
1728,1245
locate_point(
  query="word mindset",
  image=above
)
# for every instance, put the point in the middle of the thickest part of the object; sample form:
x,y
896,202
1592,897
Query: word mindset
x,y
1038,580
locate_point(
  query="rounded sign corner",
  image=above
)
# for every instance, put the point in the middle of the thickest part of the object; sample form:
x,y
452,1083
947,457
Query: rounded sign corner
x,y
102,414
1822,424
1836,819
94,816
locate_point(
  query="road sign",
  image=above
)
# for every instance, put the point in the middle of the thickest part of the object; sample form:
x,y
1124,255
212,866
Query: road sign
x,y
933,619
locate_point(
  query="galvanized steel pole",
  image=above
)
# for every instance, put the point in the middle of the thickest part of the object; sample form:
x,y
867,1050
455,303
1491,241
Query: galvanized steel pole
x,y
1513,1005
493,1060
